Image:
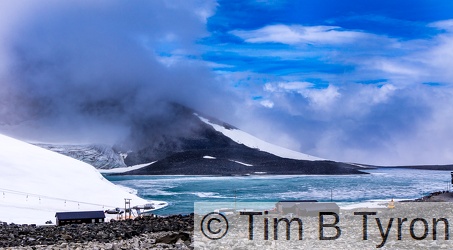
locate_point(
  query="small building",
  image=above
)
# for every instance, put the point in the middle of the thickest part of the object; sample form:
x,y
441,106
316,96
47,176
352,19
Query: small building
x,y
313,209
306,207
64,218
289,206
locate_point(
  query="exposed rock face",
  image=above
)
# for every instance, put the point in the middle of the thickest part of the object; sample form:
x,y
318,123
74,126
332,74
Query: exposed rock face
x,y
144,233
100,156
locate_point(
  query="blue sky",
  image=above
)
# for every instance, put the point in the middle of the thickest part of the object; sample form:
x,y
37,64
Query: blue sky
x,y
320,41
357,81
343,79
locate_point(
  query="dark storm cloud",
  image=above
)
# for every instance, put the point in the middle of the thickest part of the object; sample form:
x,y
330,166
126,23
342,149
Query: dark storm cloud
x,y
87,68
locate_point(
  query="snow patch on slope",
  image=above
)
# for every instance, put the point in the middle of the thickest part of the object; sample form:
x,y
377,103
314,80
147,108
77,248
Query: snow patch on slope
x,y
251,141
242,163
35,183
125,169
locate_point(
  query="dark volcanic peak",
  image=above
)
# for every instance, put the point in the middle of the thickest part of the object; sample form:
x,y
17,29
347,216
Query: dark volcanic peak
x,y
240,161
181,143
189,111
177,129
180,140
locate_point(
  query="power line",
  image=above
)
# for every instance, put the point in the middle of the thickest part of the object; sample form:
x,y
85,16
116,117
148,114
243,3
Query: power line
x,y
26,194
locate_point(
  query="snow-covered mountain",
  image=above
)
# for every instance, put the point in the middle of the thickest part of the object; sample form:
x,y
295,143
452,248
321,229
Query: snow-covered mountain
x,y
183,141
251,141
35,183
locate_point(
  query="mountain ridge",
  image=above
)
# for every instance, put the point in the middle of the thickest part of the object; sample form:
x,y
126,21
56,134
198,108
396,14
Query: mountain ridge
x,y
180,139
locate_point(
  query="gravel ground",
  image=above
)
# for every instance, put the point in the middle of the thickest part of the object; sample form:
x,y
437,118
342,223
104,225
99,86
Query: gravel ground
x,y
172,232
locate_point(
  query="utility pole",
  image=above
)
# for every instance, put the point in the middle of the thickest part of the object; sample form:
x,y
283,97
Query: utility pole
x,y
235,200
451,181
127,208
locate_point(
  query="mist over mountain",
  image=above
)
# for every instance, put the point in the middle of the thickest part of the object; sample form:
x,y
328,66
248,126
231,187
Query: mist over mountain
x,y
176,130
88,71
183,141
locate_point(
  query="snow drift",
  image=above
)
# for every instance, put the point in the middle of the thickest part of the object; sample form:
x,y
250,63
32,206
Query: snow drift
x,y
35,183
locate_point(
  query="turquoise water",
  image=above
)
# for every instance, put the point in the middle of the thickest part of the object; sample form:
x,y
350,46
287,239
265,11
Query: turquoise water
x,y
381,184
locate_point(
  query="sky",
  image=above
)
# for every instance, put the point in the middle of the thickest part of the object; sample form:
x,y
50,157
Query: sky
x,y
353,81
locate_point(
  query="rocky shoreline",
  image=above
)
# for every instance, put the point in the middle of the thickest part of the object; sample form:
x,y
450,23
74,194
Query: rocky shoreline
x,y
172,232
439,196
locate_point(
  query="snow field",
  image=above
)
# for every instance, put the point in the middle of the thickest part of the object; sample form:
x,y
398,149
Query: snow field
x,y
36,183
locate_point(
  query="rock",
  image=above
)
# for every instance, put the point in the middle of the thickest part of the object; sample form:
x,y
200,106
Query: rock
x,y
108,246
66,237
141,233
173,238
181,245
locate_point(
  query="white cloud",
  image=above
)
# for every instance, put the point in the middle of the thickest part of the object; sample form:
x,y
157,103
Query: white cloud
x,y
437,60
395,68
413,61
290,86
269,87
200,8
322,98
372,56
445,25
378,110
297,34
295,86
318,98
384,93
267,103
